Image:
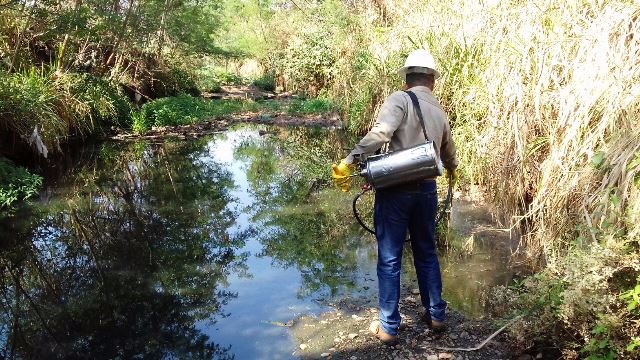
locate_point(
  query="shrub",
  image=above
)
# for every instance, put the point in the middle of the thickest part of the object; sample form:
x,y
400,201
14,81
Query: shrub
x,y
307,62
100,103
174,80
59,105
309,106
266,82
31,99
184,110
585,304
211,78
140,123
16,184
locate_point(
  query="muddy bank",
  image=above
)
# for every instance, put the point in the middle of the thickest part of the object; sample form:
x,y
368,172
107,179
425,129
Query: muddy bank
x,y
213,126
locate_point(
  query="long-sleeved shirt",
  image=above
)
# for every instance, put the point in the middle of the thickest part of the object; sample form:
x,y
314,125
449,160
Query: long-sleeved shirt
x,y
398,124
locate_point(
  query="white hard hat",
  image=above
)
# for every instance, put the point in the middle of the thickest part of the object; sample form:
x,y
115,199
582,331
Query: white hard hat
x,y
419,61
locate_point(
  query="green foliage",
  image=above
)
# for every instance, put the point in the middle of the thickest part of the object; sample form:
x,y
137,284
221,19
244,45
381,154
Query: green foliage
x,y
358,109
266,82
184,110
600,346
30,99
210,77
59,105
308,61
140,123
242,32
632,298
75,30
105,102
62,62
174,80
16,184
560,305
309,106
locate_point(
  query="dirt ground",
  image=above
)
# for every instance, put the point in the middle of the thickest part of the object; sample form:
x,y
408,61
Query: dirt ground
x,y
343,334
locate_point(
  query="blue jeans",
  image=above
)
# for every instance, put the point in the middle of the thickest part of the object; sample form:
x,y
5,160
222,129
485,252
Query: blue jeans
x,y
394,212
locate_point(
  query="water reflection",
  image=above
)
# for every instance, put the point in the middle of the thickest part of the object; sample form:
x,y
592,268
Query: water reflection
x,y
286,171
125,262
198,249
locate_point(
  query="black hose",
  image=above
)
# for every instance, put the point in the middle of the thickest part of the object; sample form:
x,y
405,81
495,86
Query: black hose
x,y
447,200
447,203
355,210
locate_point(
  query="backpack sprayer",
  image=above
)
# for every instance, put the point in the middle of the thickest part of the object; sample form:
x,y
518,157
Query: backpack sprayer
x,y
399,167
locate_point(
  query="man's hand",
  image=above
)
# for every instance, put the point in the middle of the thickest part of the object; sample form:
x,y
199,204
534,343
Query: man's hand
x,y
452,175
341,174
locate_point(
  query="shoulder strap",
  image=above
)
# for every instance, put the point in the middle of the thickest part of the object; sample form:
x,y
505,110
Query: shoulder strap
x,y
416,105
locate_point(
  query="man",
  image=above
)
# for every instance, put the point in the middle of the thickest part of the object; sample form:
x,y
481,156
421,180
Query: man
x,y
410,205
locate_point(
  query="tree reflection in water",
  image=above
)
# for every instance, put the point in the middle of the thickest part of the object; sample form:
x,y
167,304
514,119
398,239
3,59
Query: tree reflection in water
x,y
287,171
124,263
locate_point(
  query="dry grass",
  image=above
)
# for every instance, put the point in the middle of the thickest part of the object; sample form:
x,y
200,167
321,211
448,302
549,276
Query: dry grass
x,y
538,92
565,94
543,96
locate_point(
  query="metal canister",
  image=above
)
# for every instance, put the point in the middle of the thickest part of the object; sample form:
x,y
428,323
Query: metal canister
x,y
394,168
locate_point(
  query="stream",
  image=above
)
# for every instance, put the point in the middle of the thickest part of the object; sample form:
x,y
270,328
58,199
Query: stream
x,y
204,248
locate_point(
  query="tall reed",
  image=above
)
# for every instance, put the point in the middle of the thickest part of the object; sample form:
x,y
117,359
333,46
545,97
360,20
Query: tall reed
x,y
543,97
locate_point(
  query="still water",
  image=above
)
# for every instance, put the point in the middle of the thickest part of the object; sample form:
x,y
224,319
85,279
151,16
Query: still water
x,y
195,249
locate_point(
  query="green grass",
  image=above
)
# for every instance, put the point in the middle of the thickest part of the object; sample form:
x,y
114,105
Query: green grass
x,y
185,110
309,106
98,103
28,99
59,105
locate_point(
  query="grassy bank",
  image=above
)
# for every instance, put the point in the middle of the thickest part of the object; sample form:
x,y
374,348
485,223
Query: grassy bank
x,y
58,106
186,110
544,102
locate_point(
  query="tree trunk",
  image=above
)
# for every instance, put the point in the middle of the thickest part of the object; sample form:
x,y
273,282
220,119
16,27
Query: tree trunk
x,y
162,30
63,48
121,33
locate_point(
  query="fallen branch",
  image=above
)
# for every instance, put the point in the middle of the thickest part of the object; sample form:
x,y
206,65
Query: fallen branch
x,y
481,345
